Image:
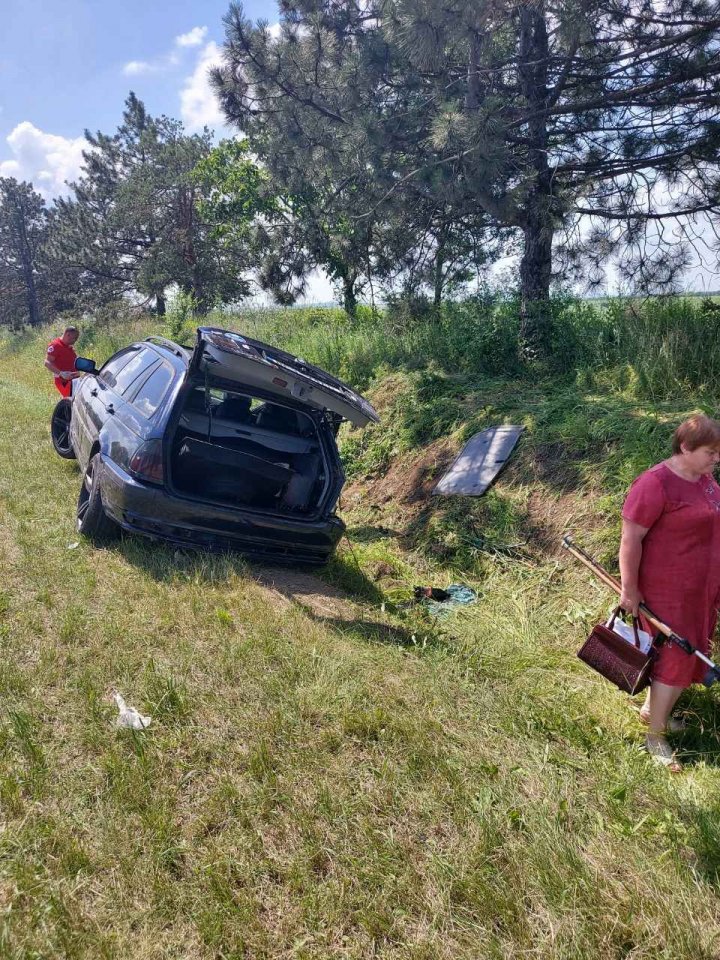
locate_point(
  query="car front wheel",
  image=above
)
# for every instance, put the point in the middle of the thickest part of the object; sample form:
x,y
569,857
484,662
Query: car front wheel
x,y
92,521
60,429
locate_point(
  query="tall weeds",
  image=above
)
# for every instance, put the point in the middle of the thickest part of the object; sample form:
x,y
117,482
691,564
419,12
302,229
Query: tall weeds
x,y
672,345
661,348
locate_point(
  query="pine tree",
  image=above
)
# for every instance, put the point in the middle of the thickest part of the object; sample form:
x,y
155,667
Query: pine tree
x,y
306,101
23,230
134,224
604,112
100,230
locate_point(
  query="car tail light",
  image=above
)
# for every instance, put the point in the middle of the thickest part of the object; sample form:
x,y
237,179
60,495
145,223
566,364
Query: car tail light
x,y
147,462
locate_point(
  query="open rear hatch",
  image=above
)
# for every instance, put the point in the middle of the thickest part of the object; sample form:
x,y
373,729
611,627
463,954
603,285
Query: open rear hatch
x,y
231,357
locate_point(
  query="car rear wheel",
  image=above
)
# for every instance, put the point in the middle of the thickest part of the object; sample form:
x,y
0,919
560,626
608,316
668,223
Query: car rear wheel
x,y
92,521
60,429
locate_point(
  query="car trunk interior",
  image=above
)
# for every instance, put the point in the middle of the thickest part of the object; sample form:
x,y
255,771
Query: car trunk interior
x,y
239,450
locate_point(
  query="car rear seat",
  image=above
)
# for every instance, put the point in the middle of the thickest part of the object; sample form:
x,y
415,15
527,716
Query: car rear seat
x,y
306,469
218,472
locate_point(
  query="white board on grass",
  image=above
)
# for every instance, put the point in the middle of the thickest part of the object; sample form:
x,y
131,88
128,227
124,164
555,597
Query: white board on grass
x,y
479,462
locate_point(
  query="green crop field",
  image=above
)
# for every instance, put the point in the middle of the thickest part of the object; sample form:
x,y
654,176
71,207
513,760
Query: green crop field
x,y
330,772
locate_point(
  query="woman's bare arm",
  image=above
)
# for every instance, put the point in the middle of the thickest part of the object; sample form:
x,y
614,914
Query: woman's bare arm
x,y
630,556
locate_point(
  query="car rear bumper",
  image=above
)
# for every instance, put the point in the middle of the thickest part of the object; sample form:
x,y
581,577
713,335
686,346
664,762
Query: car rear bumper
x,y
155,512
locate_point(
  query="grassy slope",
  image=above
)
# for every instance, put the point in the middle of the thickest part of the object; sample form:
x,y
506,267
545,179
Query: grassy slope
x,y
317,787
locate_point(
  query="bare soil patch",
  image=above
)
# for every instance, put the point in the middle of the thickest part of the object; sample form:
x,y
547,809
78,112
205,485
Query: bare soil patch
x,y
558,499
557,496
553,515
310,592
409,480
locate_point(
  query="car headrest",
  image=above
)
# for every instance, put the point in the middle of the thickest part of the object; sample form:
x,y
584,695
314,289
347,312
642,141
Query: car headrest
x,y
271,416
195,401
233,407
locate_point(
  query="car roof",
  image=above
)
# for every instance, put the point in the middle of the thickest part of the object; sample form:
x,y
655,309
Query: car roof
x,y
160,344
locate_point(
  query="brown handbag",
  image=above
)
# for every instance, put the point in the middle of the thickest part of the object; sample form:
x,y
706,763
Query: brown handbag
x,y
620,662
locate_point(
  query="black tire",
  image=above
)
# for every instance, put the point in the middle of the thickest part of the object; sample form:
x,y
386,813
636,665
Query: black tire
x,y
92,521
60,429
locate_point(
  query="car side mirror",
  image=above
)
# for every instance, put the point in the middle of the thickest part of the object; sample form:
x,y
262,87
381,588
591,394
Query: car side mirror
x,y
84,365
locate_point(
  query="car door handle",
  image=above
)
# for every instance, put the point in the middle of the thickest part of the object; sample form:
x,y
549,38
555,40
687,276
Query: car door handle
x,y
93,392
110,408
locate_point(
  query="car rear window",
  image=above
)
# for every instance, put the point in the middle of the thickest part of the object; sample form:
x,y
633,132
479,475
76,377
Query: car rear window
x,y
140,364
153,391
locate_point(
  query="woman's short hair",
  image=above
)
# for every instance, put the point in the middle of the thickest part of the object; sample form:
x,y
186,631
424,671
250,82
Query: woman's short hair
x,y
697,431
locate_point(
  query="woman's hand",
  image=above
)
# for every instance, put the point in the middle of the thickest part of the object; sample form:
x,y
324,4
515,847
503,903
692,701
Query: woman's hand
x,y
630,600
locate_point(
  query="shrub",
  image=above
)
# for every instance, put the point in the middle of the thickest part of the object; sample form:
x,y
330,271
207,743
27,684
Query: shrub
x,y
181,318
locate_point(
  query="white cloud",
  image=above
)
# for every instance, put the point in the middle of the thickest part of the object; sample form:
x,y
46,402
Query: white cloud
x,y
166,61
135,67
44,159
193,38
199,106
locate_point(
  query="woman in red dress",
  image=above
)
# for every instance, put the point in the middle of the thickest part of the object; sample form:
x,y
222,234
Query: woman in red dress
x,y
670,559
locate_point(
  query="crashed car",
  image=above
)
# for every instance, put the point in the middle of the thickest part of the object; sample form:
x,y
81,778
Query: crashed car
x,y
229,445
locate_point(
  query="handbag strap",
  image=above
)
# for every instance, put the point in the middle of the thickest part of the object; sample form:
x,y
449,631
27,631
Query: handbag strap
x,y
616,614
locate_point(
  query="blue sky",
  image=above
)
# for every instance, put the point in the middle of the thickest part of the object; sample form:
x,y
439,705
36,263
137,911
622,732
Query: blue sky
x,y
67,65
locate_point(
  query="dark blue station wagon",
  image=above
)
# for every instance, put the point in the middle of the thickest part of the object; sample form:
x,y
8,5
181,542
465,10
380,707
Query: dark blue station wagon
x,y
229,445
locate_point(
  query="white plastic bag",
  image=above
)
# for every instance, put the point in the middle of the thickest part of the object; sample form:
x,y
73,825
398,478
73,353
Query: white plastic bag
x,y
129,718
625,630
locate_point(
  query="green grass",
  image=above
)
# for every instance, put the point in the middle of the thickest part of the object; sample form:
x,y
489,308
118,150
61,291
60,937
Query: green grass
x,y
315,786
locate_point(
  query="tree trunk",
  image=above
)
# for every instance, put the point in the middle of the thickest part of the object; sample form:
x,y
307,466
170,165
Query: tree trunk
x,y
538,222
160,305
202,306
349,298
535,271
31,295
439,280
474,93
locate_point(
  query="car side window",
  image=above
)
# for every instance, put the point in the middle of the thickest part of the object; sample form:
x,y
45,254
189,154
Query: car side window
x,y
153,391
114,365
140,364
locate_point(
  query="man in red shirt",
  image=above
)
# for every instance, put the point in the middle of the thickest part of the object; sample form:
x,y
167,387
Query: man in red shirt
x,y
60,360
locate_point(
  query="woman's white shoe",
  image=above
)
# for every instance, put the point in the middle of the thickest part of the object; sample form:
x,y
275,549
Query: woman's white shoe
x,y
662,753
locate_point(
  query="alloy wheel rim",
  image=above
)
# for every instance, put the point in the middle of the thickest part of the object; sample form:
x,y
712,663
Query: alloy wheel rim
x,y
85,492
88,479
61,428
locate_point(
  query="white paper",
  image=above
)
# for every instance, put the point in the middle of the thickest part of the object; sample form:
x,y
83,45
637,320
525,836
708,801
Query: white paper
x,y
626,631
129,718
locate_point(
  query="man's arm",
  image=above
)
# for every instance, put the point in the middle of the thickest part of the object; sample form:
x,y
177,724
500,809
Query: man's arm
x,y
56,372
